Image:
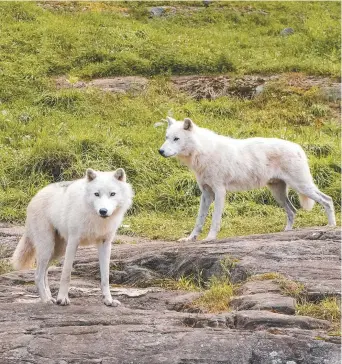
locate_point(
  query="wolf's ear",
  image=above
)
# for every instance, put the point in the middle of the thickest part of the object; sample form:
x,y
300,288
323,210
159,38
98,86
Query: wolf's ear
x,y
120,175
170,121
90,174
188,124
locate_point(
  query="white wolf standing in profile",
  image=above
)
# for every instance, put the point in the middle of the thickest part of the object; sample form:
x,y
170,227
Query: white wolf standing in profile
x,y
225,164
64,215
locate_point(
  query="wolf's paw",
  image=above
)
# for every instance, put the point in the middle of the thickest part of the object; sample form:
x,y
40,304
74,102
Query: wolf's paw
x,y
189,238
63,301
208,239
111,302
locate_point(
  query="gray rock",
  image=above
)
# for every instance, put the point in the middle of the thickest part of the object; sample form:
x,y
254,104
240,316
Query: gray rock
x,y
158,11
265,301
265,286
287,31
252,320
183,302
146,329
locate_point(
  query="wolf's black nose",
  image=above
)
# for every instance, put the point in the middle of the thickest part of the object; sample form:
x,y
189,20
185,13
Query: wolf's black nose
x,y
161,152
103,212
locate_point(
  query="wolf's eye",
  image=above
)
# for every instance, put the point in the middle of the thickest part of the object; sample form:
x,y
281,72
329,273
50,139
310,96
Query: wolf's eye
x,y
175,139
96,194
113,194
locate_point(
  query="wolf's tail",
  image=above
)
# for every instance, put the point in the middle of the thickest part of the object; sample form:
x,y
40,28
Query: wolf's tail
x,y
24,254
306,202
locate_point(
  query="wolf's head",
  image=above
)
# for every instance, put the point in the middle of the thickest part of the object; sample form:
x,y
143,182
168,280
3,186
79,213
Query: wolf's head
x,y
107,191
180,139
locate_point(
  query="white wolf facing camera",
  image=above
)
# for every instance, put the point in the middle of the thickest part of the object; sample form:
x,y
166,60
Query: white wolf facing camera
x,y
225,164
64,215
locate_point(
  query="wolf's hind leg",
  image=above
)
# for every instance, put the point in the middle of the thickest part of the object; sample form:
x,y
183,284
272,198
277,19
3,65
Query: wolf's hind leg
x,y
315,194
279,192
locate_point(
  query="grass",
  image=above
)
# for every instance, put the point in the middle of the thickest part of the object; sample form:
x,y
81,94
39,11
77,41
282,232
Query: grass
x,y
288,286
327,309
183,283
5,266
216,292
48,135
217,296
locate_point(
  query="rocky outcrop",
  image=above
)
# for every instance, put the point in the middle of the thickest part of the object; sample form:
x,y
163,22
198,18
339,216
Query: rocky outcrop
x,y
155,325
212,87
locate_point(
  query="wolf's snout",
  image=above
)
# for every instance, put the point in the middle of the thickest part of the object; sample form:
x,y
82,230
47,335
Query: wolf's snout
x,y
162,152
103,212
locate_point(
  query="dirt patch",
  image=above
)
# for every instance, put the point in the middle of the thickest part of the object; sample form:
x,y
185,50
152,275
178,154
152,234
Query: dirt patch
x,y
212,87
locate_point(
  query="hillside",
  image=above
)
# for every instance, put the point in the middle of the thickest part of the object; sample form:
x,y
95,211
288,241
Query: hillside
x,y
52,130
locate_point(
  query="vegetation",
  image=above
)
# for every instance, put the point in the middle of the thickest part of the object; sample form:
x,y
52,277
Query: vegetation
x,y
5,266
216,297
327,309
48,135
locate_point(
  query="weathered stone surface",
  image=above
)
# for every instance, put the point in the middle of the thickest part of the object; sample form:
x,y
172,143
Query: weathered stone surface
x,y
147,329
128,84
183,302
38,333
253,287
265,301
252,320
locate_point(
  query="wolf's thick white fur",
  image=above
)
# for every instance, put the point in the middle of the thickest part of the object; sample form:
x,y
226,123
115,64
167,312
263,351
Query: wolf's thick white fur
x,y
64,215
225,164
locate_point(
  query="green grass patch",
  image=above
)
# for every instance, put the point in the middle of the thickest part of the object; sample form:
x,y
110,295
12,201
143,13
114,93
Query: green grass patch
x,y
5,266
327,309
183,283
216,297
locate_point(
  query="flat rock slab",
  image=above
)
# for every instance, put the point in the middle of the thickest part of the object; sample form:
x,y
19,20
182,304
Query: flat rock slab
x,y
129,84
47,334
151,325
265,301
262,286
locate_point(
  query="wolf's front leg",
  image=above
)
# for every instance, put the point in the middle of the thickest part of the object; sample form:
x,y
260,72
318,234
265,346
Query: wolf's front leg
x,y
220,196
104,259
206,200
62,298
